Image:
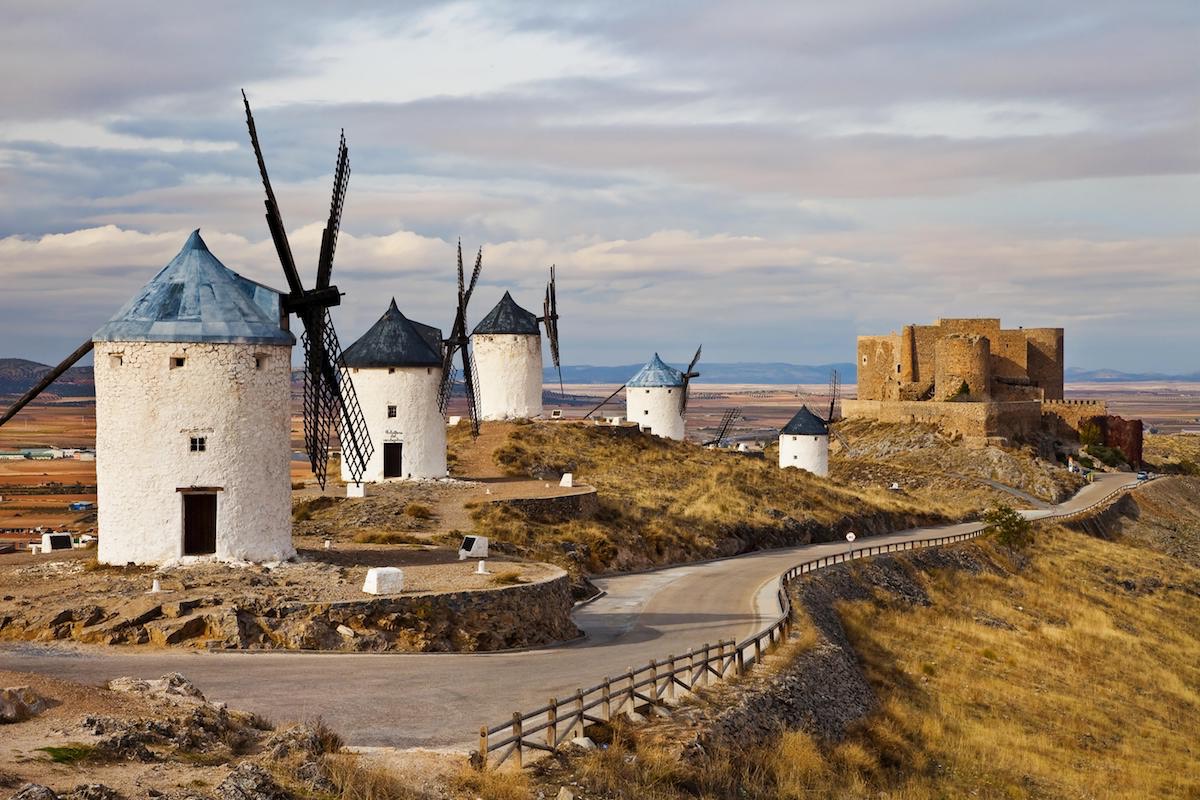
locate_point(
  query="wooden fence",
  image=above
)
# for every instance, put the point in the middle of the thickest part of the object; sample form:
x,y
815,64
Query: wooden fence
x,y
560,720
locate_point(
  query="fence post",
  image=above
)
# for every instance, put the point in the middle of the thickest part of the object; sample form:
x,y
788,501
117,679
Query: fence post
x,y
671,682
693,678
741,661
654,680
721,659
552,729
757,649
632,699
579,711
517,732
607,699
483,747
704,668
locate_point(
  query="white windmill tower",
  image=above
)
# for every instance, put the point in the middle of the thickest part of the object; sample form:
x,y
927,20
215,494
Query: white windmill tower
x,y
396,367
656,397
506,347
804,443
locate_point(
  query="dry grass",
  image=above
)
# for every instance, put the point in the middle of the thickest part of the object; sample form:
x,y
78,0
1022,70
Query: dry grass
x,y
509,577
492,784
358,779
387,537
663,501
1172,453
1077,676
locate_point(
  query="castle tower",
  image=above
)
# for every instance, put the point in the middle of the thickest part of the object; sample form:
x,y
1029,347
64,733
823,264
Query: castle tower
x,y
506,347
193,382
804,443
396,367
963,362
653,399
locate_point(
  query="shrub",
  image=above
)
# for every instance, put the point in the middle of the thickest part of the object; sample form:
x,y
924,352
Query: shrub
x,y
1112,456
387,537
1089,434
510,577
1012,530
418,511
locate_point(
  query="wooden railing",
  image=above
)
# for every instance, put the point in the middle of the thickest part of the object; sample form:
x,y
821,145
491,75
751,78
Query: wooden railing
x,y
560,720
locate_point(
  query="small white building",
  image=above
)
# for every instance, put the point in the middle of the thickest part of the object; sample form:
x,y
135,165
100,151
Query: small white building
x,y
193,425
804,443
506,348
396,368
654,399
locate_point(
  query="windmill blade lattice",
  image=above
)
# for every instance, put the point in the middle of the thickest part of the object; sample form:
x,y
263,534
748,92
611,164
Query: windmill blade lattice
x,y
688,374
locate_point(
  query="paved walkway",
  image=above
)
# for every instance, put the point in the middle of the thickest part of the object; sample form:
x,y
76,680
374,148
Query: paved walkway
x,y
438,700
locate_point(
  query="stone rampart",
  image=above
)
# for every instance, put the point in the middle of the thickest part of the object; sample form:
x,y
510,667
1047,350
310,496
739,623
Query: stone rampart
x,y
971,420
1064,417
561,508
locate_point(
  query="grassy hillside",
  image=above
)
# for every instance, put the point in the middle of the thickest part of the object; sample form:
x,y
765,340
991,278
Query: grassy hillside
x,y
663,501
1070,671
1172,453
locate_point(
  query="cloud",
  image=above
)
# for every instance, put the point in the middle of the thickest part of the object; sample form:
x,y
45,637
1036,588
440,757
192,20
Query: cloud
x,y
773,179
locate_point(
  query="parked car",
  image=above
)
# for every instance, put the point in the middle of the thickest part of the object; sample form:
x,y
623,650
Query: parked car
x,y
1142,475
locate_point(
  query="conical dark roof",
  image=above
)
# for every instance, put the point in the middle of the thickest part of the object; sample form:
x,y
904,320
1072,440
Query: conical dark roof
x,y
396,341
196,298
508,317
806,423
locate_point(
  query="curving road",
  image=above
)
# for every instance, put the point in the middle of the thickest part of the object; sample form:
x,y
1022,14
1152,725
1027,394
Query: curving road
x,y
440,700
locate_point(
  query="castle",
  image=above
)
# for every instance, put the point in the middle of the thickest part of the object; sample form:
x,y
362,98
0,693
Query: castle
x,y
975,379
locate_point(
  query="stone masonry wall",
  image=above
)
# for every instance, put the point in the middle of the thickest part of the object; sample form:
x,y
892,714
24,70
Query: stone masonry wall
x,y
971,420
512,616
562,508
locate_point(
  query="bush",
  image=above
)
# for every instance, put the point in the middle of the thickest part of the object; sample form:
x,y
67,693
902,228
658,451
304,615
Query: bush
x,y
1089,434
1012,530
1112,456
418,511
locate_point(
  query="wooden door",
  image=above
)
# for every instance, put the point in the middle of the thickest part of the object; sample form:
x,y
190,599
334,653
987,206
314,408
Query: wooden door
x,y
199,524
391,459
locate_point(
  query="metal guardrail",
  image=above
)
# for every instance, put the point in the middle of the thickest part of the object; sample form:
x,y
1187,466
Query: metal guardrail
x,y
546,728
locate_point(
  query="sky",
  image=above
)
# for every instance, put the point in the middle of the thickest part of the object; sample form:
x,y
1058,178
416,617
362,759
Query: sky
x,y
769,178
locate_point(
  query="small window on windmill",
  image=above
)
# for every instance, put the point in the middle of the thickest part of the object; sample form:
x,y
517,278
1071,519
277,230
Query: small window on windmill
x,y
864,359
391,412
391,370
198,444
177,362
897,369
116,359
260,361
645,411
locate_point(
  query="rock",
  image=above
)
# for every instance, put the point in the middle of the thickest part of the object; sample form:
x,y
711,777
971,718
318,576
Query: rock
x,y
584,743
305,739
346,631
34,791
250,782
171,686
635,717
564,794
19,703
92,791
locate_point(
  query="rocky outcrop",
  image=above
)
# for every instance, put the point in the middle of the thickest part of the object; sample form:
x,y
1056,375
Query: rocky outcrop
x,y
251,782
522,615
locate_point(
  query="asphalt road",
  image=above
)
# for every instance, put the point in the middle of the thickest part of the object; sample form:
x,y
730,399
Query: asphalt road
x,y
440,700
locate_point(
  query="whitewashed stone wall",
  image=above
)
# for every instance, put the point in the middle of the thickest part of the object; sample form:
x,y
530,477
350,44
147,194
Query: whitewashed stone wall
x,y
146,414
656,410
805,452
510,375
418,424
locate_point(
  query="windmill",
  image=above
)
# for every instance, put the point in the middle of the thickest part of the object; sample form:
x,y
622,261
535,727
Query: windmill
x,y
730,416
835,391
549,318
329,399
688,374
459,340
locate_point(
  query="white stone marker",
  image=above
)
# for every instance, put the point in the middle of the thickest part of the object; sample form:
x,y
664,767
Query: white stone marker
x,y
356,489
568,480
482,568
384,580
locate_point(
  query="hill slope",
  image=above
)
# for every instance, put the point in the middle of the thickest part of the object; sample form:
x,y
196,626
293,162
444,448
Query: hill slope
x,y
17,375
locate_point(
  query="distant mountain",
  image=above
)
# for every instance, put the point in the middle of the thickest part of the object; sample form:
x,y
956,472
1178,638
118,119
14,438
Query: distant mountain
x,y
17,375
1114,376
711,372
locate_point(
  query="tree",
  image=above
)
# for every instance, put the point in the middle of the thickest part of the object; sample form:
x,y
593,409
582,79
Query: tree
x,y
1012,530
1089,434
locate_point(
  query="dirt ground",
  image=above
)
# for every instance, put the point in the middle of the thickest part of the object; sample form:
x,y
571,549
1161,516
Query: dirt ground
x,y
22,759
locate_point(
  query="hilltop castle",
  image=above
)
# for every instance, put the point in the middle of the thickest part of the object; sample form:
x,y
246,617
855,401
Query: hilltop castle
x,y
975,379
